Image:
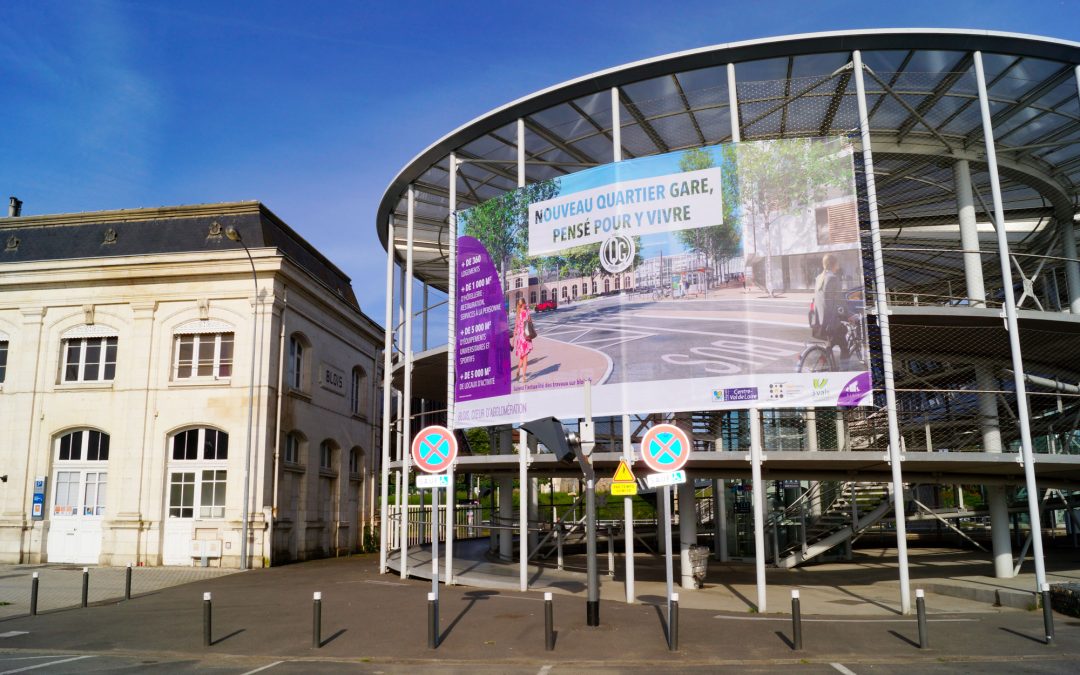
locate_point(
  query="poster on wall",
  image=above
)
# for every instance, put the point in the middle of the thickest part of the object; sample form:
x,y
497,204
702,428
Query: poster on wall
x,y
712,278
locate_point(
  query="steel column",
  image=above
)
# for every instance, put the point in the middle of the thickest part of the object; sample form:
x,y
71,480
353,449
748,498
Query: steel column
x,y
733,103
894,456
616,126
759,506
628,513
1068,245
451,359
388,347
406,420
1013,327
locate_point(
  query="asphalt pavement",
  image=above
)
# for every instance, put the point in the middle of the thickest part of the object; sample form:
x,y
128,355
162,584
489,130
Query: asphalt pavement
x,y
262,622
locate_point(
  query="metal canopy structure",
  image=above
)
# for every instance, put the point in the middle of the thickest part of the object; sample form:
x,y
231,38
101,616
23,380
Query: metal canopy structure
x,y
968,159
923,116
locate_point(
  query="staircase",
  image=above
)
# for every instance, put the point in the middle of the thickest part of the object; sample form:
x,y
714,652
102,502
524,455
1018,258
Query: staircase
x,y
849,510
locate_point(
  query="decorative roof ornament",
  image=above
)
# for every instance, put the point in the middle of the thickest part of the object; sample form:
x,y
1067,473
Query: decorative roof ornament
x,y
215,229
110,236
12,244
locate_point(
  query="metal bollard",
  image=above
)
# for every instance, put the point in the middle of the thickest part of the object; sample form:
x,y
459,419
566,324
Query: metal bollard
x,y
85,585
433,622
611,553
34,594
673,623
549,623
206,618
127,582
920,608
316,620
796,621
558,546
1048,614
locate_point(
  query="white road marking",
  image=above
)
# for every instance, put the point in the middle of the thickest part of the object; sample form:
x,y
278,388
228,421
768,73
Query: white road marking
x,y
545,670
13,633
842,669
266,667
43,665
380,583
786,619
515,597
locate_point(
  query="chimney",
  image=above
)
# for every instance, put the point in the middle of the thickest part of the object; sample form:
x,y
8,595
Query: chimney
x,y
14,207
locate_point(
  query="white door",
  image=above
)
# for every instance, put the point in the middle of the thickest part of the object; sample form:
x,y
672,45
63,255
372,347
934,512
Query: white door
x,y
180,519
78,507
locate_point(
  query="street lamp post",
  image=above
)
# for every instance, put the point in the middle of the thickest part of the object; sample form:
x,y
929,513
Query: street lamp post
x,y
234,235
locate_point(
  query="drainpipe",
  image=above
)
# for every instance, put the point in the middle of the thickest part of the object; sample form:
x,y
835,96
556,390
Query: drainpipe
x,y
277,423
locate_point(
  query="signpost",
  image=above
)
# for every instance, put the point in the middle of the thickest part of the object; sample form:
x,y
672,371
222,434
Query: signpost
x,y
434,450
665,449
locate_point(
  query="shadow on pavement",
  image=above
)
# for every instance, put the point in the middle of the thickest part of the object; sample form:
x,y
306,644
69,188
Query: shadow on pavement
x,y
904,638
1023,635
230,635
333,637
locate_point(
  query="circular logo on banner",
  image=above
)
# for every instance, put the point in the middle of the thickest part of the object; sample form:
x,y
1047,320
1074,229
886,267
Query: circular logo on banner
x,y
434,449
617,253
665,448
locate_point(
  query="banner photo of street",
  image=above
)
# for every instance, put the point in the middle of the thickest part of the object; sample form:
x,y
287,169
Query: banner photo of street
x,y
713,278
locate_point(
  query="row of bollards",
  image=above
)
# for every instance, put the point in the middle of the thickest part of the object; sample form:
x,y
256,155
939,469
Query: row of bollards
x,y
84,597
316,620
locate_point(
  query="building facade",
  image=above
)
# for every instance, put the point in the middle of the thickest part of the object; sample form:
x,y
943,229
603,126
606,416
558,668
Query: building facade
x,y
148,367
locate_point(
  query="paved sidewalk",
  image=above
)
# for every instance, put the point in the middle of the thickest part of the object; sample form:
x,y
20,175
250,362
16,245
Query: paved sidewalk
x,y
61,585
953,580
553,363
373,622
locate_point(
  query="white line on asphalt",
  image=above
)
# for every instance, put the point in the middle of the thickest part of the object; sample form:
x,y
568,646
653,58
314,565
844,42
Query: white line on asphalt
x,y
545,670
43,665
266,667
767,618
31,658
376,581
515,597
842,669
13,633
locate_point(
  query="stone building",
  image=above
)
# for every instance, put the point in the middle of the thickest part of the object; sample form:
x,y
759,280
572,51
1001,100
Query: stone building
x,y
129,343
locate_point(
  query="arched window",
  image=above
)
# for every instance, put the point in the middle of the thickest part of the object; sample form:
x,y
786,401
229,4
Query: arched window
x,y
88,354
517,283
3,355
298,362
574,290
607,285
617,280
627,284
356,460
327,455
81,478
198,474
358,392
594,287
565,293
532,301
294,442
543,295
203,350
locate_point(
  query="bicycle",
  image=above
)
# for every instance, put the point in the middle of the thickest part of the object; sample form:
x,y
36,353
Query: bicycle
x,y
817,356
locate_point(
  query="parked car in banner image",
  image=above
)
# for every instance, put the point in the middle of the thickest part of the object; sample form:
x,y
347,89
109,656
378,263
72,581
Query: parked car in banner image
x,y
546,306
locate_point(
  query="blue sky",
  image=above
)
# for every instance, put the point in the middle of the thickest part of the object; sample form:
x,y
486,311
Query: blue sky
x,y
313,107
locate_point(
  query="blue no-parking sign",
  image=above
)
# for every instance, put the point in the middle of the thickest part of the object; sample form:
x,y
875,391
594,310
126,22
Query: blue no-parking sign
x,y
665,448
434,449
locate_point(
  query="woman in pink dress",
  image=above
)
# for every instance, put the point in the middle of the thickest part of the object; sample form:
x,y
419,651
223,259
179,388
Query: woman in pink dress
x,y
522,341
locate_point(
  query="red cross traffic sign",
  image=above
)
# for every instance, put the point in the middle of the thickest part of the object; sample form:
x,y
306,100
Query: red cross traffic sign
x,y
665,448
434,449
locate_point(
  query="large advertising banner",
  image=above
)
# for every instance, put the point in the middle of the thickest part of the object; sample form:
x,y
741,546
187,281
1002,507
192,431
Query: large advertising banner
x,y
713,278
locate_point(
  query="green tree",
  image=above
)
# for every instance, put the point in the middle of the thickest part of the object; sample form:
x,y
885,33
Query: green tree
x,y
783,178
501,224
722,242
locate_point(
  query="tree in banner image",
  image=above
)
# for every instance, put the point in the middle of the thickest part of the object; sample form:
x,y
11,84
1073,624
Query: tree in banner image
x,y
784,178
501,224
718,243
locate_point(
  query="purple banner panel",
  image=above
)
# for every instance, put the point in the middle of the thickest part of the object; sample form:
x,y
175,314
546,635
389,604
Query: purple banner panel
x,y
482,365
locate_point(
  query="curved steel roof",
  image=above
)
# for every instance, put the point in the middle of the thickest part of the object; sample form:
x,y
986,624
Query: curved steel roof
x,y
923,115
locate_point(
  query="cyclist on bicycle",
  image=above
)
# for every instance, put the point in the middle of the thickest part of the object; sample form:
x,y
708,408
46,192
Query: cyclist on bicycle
x,y
830,306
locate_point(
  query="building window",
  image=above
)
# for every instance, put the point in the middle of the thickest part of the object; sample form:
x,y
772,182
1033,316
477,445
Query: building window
x,y
594,287
532,299
517,283
543,295
326,456
821,221
574,287
607,285
292,448
358,399
203,349
617,280
88,354
197,476
354,461
3,359
565,293
626,284
297,361
195,444
81,481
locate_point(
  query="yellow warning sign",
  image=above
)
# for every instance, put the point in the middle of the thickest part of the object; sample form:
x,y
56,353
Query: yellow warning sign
x,y
623,483
623,474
